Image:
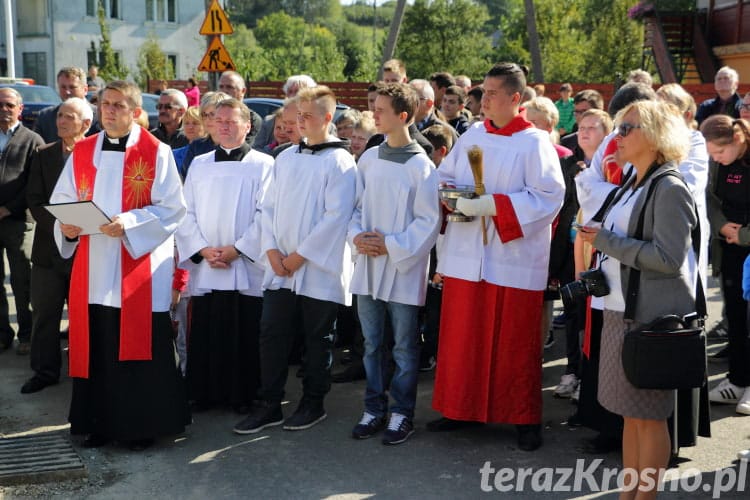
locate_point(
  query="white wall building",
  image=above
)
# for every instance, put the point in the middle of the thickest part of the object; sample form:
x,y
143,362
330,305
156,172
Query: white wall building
x,y
50,34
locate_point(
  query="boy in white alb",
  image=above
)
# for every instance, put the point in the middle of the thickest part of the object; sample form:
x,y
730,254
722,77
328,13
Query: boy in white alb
x,y
308,266
394,226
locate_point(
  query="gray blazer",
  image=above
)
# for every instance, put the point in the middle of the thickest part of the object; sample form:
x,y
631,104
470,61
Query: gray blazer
x,y
669,220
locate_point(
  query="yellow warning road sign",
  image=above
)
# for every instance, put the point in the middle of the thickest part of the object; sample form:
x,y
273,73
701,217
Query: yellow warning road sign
x,y
216,58
216,21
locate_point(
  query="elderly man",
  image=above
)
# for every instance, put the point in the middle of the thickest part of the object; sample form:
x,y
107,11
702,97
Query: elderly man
x,y
290,88
126,385
172,106
425,116
17,144
50,274
727,100
233,84
71,82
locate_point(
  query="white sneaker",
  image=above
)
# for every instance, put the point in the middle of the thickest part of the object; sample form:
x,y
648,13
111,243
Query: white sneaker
x,y
726,392
743,406
744,455
567,386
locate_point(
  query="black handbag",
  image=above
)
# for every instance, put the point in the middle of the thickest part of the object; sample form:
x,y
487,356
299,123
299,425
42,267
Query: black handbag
x,y
670,351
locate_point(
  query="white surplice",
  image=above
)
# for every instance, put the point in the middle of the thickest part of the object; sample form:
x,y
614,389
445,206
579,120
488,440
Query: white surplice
x,y
399,200
306,210
223,208
525,167
148,230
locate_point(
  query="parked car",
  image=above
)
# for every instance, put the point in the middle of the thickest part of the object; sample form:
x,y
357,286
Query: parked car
x,y
149,106
35,99
264,106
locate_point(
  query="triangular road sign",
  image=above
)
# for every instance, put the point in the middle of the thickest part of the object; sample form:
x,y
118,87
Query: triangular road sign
x,y
216,58
216,21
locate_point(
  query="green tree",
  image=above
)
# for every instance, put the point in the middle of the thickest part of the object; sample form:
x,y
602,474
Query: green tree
x,y
615,42
247,54
290,46
110,66
445,35
248,12
153,63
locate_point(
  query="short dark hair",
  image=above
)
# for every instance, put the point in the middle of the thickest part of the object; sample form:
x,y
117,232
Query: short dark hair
x,y
566,86
476,92
438,135
403,98
373,87
630,93
457,91
442,79
513,75
590,96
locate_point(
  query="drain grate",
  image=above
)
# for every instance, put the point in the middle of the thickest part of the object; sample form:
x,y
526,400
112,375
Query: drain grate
x,y
38,459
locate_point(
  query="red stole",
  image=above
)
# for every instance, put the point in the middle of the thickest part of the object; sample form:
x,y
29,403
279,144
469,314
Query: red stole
x,y
506,221
136,305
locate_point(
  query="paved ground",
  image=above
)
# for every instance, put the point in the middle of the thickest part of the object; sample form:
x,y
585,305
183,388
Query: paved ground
x,y
209,461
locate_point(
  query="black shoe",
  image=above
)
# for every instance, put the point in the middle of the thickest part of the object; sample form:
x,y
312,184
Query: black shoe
x,y
368,426
35,384
721,355
140,444
262,415
350,374
64,334
574,420
550,341
718,333
529,436
601,444
427,364
448,424
95,441
399,429
308,413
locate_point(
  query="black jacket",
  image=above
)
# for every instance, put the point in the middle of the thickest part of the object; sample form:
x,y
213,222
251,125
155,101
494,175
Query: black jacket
x,y
46,166
15,162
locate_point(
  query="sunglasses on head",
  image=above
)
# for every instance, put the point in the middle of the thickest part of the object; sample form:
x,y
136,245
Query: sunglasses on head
x,y
624,129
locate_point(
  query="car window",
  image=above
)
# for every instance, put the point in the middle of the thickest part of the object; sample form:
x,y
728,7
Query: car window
x,y
36,94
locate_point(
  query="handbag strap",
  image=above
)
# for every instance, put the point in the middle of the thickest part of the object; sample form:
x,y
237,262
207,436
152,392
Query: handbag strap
x,y
634,281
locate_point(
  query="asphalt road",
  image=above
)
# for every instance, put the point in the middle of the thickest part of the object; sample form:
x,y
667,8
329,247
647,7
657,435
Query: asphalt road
x,y
209,461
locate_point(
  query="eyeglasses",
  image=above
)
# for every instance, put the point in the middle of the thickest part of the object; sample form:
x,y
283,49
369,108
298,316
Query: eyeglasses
x,y
624,129
8,105
746,107
165,106
207,115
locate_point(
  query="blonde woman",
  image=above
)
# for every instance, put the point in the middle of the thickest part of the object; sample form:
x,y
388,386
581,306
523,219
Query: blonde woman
x,y
654,139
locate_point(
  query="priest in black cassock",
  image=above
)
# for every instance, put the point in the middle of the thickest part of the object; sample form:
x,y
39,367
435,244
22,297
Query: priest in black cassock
x,y
219,243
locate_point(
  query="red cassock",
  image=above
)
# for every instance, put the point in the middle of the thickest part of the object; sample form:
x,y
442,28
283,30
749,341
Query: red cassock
x,y
489,361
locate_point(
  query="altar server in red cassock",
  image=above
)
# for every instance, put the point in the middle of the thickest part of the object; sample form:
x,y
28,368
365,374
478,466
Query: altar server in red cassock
x,y
126,385
488,363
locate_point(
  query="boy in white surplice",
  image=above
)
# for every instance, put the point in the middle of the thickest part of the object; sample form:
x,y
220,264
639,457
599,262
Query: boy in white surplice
x,y
394,226
305,213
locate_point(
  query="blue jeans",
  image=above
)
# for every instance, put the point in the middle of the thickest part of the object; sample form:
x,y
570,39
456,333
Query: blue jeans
x,y
403,387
